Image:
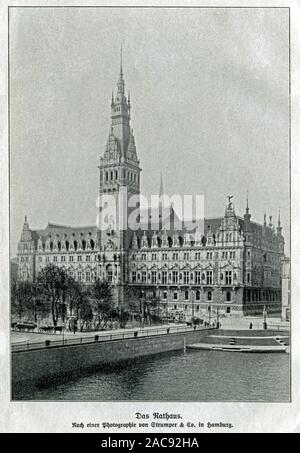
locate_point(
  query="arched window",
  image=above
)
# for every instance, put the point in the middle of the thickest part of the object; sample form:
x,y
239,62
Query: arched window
x,y
170,242
83,245
75,245
51,245
67,245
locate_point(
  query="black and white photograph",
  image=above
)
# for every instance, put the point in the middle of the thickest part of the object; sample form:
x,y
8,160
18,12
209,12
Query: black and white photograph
x,y
149,175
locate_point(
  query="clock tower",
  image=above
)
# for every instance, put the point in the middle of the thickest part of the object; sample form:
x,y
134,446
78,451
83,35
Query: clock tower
x,y
119,182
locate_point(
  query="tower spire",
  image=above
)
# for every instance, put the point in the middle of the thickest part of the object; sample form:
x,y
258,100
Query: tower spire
x,y
121,84
247,215
121,61
161,187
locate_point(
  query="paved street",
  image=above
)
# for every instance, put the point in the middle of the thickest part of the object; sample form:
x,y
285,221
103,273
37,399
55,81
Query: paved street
x,y
24,337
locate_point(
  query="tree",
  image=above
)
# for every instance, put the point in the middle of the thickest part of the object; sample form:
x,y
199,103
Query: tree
x,y
149,305
79,302
53,283
23,294
102,294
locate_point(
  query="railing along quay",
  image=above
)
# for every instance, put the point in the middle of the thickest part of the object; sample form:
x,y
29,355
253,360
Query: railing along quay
x,y
98,338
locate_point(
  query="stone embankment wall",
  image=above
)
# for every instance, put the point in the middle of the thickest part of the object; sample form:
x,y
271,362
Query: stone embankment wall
x,y
40,365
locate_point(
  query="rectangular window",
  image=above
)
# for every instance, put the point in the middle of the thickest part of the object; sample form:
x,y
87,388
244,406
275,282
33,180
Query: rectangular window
x,y
79,276
144,277
165,295
71,258
153,256
228,277
175,296
164,277
175,276
186,277
133,277
186,256
197,277
87,258
164,256
143,256
79,258
63,258
175,256
88,276
209,277
153,277
55,259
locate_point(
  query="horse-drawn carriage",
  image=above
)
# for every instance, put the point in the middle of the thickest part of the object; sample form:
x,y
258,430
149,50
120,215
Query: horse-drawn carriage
x,y
23,326
51,329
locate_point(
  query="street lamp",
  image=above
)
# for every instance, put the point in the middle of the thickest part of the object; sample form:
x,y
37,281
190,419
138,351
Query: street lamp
x,y
209,312
218,319
143,308
193,308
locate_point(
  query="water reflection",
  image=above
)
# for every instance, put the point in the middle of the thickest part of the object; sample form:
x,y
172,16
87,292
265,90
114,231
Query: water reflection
x,y
175,376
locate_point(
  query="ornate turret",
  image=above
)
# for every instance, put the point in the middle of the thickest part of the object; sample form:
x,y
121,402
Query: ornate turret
x,y
186,240
209,236
265,220
270,221
154,242
164,238
175,239
144,241
279,227
134,241
247,215
26,233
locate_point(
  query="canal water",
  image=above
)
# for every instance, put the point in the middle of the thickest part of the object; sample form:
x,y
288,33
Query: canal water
x,y
177,376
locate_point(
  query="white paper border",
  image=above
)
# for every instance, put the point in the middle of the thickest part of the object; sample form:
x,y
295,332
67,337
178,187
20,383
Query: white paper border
x,y
58,416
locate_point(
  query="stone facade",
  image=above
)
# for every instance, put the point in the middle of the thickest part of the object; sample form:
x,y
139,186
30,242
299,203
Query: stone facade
x,y
231,267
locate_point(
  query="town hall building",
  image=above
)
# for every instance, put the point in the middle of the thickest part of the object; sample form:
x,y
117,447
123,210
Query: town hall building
x,y
232,266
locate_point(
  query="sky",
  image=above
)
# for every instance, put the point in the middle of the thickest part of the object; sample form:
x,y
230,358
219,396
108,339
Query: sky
x,y
210,107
